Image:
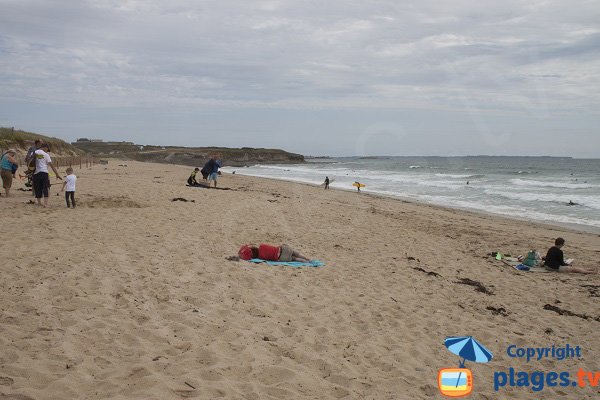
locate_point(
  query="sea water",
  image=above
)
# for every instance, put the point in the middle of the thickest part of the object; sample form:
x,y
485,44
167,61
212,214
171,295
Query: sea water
x,y
528,188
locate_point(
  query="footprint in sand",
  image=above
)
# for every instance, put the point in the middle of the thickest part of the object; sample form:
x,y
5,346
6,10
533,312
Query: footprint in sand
x,y
273,375
15,397
6,381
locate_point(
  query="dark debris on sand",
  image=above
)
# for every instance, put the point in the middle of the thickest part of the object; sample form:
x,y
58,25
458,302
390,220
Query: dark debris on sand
x,y
430,273
592,289
182,199
479,287
562,311
498,311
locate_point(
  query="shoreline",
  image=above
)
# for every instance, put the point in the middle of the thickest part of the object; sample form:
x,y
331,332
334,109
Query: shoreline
x,y
574,227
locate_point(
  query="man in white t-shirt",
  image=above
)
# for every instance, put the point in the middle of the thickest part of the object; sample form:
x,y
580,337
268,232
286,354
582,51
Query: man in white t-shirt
x,y
41,180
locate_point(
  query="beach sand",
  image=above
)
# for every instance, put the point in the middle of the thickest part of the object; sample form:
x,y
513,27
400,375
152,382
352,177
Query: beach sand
x,y
130,295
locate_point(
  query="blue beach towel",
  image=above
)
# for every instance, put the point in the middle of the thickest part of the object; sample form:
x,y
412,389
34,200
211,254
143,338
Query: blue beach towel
x,y
297,264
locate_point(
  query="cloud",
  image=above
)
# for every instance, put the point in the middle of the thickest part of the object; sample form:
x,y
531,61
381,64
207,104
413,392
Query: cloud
x,y
533,58
215,51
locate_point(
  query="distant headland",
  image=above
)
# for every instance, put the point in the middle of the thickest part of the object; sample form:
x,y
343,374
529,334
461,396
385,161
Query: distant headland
x,y
192,156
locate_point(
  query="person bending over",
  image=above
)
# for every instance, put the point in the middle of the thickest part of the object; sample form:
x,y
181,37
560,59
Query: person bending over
x,y
283,253
555,260
192,179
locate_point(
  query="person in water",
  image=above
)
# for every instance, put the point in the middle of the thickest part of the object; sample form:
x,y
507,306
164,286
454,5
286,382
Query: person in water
x,y
283,253
555,260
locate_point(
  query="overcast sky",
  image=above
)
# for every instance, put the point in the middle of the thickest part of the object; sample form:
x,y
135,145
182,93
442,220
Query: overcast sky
x,y
322,77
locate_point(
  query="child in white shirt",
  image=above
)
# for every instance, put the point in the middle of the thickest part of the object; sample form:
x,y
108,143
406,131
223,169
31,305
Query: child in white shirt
x,y
69,184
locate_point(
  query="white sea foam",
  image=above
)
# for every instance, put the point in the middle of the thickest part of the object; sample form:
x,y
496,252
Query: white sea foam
x,y
560,199
460,176
553,184
492,189
511,211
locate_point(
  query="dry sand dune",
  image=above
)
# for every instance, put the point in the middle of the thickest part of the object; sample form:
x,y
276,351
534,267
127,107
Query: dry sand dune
x,y
130,295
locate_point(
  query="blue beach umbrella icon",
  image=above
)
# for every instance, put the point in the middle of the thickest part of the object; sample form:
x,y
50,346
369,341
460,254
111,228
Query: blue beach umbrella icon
x,y
467,348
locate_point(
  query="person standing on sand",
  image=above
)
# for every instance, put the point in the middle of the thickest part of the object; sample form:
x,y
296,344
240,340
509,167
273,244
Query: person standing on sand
x,y
326,182
357,185
8,164
69,184
41,179
215,172
32,149
28,158
555,260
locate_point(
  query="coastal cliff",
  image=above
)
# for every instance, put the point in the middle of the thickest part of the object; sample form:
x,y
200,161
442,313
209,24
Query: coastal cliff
x,y
192,156
21,141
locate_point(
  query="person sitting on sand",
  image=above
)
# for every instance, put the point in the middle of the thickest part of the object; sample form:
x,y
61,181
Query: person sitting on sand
x,y
192,179
283,253
555,260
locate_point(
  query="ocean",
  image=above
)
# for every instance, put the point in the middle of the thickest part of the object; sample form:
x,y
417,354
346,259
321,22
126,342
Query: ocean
x,y
529,188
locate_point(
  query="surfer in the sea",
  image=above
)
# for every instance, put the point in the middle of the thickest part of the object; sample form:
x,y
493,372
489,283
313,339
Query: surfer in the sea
x,y
570,203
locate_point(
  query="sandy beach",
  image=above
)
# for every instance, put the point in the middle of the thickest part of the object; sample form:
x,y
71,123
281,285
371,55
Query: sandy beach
x,y
130,295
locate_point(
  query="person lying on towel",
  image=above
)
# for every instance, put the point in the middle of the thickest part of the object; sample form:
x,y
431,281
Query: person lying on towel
x,y
283,253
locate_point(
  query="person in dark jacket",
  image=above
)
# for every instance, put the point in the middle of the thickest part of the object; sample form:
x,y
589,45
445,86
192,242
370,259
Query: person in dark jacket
x,y
208,168
555,260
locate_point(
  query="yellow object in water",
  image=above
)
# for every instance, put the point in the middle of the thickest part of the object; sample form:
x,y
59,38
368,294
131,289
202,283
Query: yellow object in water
x,y
356,184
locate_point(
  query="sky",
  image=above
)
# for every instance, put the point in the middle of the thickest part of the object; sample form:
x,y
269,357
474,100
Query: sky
x,y
380,77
